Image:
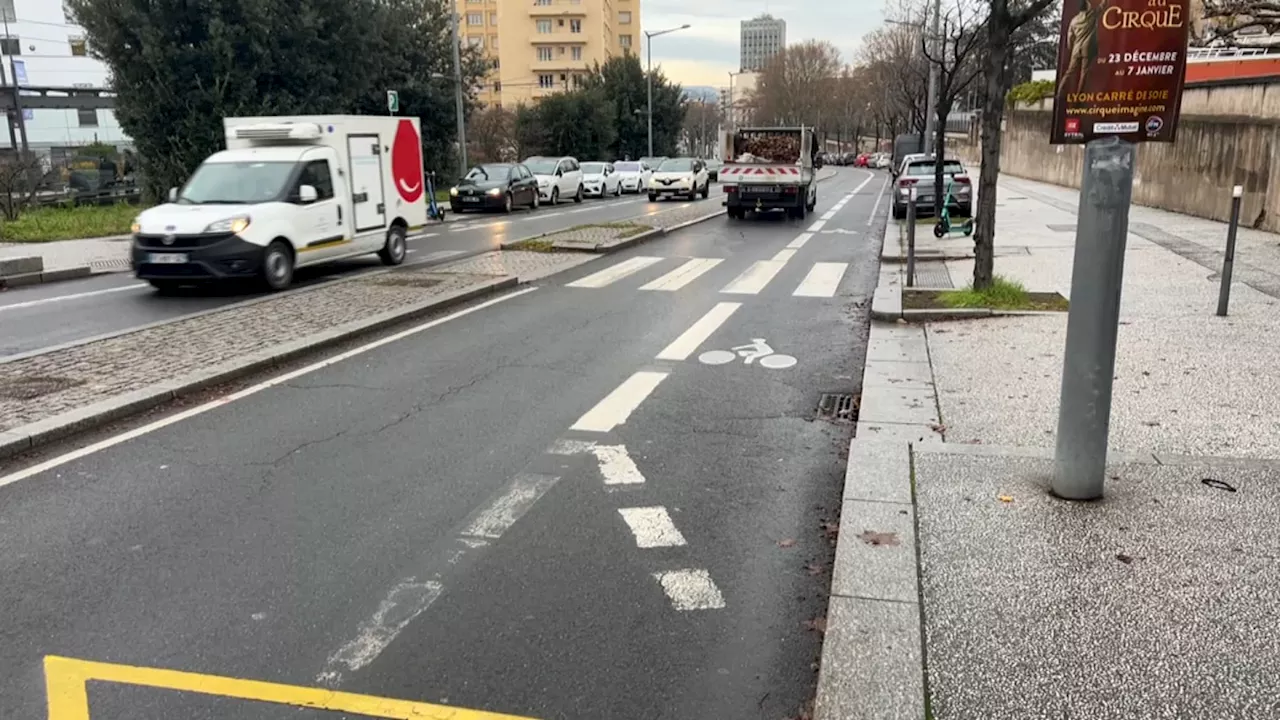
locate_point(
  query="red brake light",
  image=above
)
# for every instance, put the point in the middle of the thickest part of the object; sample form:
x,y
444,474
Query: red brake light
x,y
905,182
962,179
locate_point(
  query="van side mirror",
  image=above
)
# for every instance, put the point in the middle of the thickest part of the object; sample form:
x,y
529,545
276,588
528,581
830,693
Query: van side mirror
x,y
307,194
173,194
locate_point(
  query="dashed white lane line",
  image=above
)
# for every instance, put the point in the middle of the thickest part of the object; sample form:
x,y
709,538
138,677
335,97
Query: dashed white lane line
x,y
405,602
683,275
570,447
690,589
618,405
822,281
880,196
652,527
685,345
251,390
799,241
817,226
616,465
617,272
754,279
73,296
525,490
830,213
784,255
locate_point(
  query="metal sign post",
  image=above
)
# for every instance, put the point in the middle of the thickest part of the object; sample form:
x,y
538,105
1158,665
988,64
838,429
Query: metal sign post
x,y
1229,259
911,238
1121,66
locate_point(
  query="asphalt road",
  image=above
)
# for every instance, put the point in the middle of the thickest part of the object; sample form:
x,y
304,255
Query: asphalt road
x,y
41,316
550,507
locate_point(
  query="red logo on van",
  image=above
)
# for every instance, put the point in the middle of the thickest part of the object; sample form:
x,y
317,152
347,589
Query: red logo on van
x,y
406,162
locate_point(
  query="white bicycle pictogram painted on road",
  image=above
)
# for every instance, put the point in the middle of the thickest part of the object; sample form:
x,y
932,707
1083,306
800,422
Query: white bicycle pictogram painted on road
x,y
758,350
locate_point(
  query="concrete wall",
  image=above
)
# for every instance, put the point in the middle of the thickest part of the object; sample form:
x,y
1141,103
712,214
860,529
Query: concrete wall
x,y
1226,136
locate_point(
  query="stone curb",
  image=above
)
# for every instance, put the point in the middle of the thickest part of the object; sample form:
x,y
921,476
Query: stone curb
x,y
33,435
46,276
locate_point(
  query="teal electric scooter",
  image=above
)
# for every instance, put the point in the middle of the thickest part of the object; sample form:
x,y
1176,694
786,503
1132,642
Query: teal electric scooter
x,y
944,226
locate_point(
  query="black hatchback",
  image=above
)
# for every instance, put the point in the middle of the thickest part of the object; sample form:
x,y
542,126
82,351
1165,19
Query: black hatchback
x,y
495,186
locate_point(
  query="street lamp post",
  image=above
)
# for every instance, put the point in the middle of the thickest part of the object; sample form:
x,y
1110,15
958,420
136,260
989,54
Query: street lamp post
x,y
649,36
733,111
457,94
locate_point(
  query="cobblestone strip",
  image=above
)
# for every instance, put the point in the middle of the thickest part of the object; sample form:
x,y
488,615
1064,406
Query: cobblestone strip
x,y
42,386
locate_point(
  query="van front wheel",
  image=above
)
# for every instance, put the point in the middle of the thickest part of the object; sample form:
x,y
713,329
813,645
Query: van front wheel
x,y
393,251
277,265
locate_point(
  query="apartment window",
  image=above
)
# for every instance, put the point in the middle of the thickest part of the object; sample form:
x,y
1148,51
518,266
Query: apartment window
x,y
544,27
475,19
10,46
542,2
577,53
546,81
87,118
6,11
575,26
624,41
79,47
497,86
475,41
493,42
493,18
624,17
474,2
544,54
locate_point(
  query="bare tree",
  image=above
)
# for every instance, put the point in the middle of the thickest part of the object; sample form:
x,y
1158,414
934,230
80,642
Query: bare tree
x,y
897,78
491,135
22,176
796,86
701,125
1004,19
1235,22
956,54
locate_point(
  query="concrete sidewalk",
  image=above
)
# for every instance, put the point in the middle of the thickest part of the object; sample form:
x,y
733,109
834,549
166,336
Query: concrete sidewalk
x,y
99,254
963,586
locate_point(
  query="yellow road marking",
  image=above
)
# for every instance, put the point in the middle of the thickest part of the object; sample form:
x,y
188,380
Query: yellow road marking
x,y
65,680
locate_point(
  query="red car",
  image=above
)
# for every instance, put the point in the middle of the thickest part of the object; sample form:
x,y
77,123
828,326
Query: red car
x,y
861,160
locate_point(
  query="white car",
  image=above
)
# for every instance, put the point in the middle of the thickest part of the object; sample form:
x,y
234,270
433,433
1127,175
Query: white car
x,y
685,177
558,178
599,179
633,176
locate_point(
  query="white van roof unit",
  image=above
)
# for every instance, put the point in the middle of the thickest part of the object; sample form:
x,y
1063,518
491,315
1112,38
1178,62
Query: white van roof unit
x,y
277,133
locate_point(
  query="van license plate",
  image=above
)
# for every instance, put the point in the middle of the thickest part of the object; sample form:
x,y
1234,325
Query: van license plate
x,y
760,189
168,258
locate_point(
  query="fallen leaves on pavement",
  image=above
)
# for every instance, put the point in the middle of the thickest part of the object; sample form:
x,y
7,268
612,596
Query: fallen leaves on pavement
x,y
788,542
871,537
1005,498
818,624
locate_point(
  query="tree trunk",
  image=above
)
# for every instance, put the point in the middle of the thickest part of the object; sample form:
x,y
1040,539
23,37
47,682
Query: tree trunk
x,y
984,231
940,153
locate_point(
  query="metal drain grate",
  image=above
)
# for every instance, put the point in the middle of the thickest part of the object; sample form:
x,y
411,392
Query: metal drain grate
x,y
838,407
408,281
30,387
113,264
933,275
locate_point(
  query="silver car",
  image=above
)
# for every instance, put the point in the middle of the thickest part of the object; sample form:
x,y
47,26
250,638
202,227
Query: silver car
x,y
917,172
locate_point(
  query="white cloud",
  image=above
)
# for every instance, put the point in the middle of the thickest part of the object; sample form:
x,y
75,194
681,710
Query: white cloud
x,y
707,51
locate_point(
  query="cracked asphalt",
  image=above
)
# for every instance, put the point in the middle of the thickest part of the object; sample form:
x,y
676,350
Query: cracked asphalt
x,y
323,532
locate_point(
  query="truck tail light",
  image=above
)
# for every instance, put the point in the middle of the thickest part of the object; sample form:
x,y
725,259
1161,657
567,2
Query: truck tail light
x,y
789,190
731,188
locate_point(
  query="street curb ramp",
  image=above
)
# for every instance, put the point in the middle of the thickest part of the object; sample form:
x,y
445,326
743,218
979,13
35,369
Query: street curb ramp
x,y
28,437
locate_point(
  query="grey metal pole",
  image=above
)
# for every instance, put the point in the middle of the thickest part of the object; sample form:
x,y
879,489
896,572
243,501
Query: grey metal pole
x,y
1224,291
911,238
1084,411
931,103
649,83
457,96
19,118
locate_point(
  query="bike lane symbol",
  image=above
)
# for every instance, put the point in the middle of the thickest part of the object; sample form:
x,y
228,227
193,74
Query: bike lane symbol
x,y
758,349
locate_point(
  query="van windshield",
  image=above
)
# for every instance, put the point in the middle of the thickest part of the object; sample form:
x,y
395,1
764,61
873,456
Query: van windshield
x,y
236,183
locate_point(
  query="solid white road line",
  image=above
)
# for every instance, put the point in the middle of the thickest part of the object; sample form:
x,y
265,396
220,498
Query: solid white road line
x,y
616,465
822,281
690,589
618,405
799,241
683,275
685,345
652,527
251,390
525,490
73,296
570,447
784,255
871,218
817,226
753,280
830,213
405,602
615,273
863,184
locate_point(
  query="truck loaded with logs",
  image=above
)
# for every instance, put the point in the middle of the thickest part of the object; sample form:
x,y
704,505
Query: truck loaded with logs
x,y
769,169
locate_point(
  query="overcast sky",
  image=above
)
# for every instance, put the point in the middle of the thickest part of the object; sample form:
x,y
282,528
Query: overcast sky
x,y
706,52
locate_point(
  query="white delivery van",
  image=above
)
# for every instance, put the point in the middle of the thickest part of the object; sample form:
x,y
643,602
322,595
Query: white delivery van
x,y
287,192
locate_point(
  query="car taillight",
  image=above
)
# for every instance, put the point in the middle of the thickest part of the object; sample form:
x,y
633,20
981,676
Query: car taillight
x,y
962,179
907,182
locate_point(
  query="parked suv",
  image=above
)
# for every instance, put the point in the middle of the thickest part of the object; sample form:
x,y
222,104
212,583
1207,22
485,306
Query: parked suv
x,y
558,178
917,172
685,177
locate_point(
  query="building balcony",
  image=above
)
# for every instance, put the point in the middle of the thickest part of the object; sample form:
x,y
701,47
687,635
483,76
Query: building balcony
x,y
560,65
558,38
558,8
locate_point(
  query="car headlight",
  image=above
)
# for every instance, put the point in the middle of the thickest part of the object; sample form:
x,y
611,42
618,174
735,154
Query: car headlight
x,y
543,182
453,192
136,227
495,192
233,225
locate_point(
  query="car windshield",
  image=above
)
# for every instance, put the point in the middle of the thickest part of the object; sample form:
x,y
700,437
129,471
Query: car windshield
x,y
593,168
627,167
489,172
676,165
236,183
926,168
652,161
541,166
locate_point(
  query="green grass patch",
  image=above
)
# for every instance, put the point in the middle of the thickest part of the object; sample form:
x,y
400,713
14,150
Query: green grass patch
x,y
1004,294
47,224
442,196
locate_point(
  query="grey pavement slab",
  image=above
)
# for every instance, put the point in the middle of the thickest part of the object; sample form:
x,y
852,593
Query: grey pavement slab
x,y
876,554
1156,602
878,471
912,405
885,373
871,662
906,432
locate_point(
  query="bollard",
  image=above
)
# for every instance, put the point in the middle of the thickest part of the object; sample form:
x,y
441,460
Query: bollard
x,y
1228,260
911,238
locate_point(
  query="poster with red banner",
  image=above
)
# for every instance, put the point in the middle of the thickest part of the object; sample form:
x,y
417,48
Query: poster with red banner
x,y
1121,65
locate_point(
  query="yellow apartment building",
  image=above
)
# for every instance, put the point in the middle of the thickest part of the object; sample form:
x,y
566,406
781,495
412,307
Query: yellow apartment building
x,y
539,47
